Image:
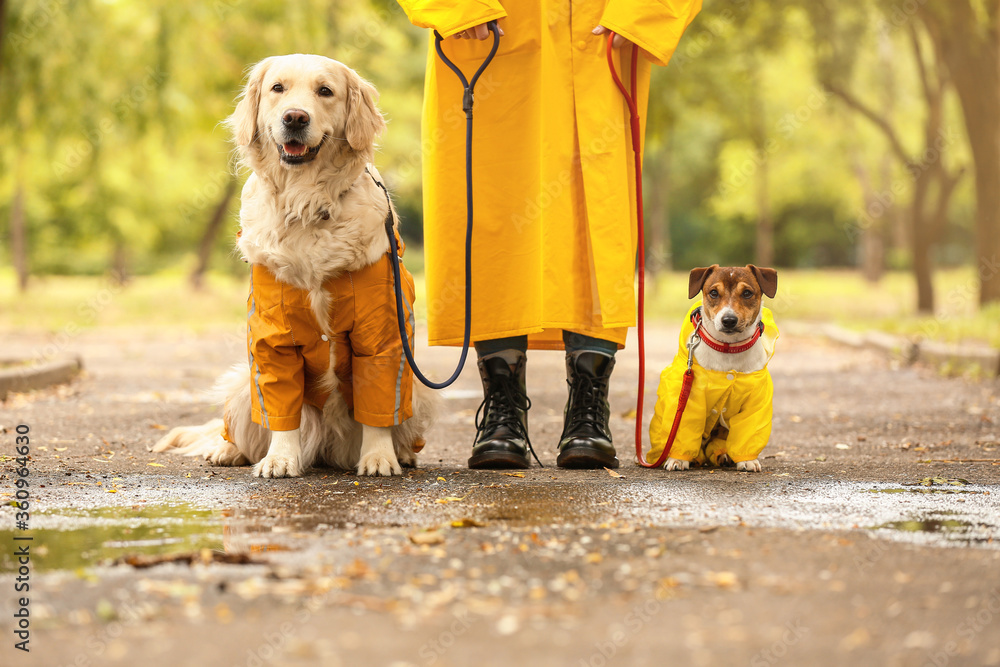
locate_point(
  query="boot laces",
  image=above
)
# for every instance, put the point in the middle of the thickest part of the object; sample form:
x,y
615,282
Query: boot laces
x,y
586,405
501,407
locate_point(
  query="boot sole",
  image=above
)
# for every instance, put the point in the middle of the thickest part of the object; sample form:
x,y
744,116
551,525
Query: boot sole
x,y
586,460
498,461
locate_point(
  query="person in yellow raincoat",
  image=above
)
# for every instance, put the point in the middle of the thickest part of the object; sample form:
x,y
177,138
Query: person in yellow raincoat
x,y
555,218
742,400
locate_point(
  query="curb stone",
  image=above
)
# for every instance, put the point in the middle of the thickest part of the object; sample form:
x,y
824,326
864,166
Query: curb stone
x,y
909,351
31,376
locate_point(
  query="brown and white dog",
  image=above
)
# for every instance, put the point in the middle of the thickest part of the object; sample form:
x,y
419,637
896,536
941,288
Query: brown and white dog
x,y
735,345
306,126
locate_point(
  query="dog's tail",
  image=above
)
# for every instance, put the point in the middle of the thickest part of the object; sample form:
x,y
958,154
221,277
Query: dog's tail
x,y
205,439
192,440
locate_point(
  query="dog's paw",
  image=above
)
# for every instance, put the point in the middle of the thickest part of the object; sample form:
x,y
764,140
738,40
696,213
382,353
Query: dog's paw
x,y
676,464
277,465
379,463
749,466
226,454
407,458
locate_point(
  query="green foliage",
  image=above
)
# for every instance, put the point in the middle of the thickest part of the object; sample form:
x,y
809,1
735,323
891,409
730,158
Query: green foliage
x,y
110,123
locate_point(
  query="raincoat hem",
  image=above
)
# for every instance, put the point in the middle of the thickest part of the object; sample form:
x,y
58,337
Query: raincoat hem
x,y
275,423
380,419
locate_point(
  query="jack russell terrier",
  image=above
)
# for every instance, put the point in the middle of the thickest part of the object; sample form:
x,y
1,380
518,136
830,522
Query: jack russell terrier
x,y
727,419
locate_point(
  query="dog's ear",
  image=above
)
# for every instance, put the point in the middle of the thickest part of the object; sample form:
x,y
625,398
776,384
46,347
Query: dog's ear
x,y
766,278
364,121
698,278
243,122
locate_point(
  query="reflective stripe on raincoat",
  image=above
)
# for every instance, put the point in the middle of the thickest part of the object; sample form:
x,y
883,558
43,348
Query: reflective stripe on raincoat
x,y
743,400
289,352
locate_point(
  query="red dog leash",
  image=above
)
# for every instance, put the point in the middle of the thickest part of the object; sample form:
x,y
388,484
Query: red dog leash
x,y
636,132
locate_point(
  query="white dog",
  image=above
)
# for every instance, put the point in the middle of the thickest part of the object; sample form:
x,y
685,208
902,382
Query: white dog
x,y
311,211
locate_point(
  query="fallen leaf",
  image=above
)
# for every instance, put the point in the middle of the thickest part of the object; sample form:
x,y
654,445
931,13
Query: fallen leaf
x,y
515,474
467,523
722,579
614,473
61,449
449,499
426,537
158,427
841,445
157,465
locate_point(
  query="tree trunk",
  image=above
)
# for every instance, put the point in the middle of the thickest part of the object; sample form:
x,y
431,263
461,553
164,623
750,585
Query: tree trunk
x,y
3,25
208,238
872,249
659,255
764,250
921,245
765,223
18,243
971,49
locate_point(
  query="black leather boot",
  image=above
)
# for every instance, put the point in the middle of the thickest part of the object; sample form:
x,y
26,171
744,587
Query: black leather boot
x,y
586,436
502,418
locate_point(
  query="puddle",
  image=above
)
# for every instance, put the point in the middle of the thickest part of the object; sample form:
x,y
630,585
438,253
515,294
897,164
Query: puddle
x,y
923,490
69,539
950,529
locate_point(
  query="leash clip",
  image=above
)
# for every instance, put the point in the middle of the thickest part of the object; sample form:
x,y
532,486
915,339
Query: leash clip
x,y
694,342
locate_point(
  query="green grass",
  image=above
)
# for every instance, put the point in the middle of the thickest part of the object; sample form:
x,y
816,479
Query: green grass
x,y
839,296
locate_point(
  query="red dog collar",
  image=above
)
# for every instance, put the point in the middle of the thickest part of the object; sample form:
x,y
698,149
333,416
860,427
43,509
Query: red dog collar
x,y
720,346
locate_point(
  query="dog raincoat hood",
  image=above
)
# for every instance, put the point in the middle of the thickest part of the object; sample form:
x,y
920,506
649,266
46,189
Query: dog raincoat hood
x,y
555,221
743,400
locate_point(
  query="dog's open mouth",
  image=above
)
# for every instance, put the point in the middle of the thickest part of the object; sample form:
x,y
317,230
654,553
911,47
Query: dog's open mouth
x,y
295,152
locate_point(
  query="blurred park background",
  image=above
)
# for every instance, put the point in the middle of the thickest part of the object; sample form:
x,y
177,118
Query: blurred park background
x,y
854,144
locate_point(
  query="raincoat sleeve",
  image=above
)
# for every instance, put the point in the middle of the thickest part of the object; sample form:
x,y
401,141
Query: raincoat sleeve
x,y
450,17
687,443
750,429
655,25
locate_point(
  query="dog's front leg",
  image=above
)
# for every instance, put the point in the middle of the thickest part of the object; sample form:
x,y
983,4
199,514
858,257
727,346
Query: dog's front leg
x,y
378,456
284,456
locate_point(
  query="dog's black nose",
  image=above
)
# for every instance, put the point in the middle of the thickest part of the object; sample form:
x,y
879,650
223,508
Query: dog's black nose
x,y
729,320
295,119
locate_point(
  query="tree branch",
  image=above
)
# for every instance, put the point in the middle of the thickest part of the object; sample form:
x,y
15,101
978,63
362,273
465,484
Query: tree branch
x,y
881,122
918,56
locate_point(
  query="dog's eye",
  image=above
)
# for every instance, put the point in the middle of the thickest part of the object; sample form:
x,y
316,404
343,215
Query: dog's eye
x,y
747,294
714,294
325,92
278,88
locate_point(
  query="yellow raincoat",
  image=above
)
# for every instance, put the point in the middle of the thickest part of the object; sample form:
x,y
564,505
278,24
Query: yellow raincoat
x,y
743,400
555,231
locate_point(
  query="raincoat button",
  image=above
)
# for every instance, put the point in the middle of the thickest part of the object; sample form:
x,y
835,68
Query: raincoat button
x,y
714,411
730,377
581,45
325,338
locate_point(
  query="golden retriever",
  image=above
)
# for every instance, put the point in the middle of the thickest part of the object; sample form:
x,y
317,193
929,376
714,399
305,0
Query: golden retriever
x,y
306,126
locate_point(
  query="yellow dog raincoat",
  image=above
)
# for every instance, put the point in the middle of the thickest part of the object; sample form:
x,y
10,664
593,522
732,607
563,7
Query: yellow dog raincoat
x,y
290,352
743,400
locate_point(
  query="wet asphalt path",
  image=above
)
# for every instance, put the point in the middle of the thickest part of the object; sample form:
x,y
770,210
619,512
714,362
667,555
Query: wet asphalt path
x,y
850,547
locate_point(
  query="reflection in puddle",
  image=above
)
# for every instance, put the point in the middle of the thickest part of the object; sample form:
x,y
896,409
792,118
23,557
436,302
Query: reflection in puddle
x,y
70,539
949,529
